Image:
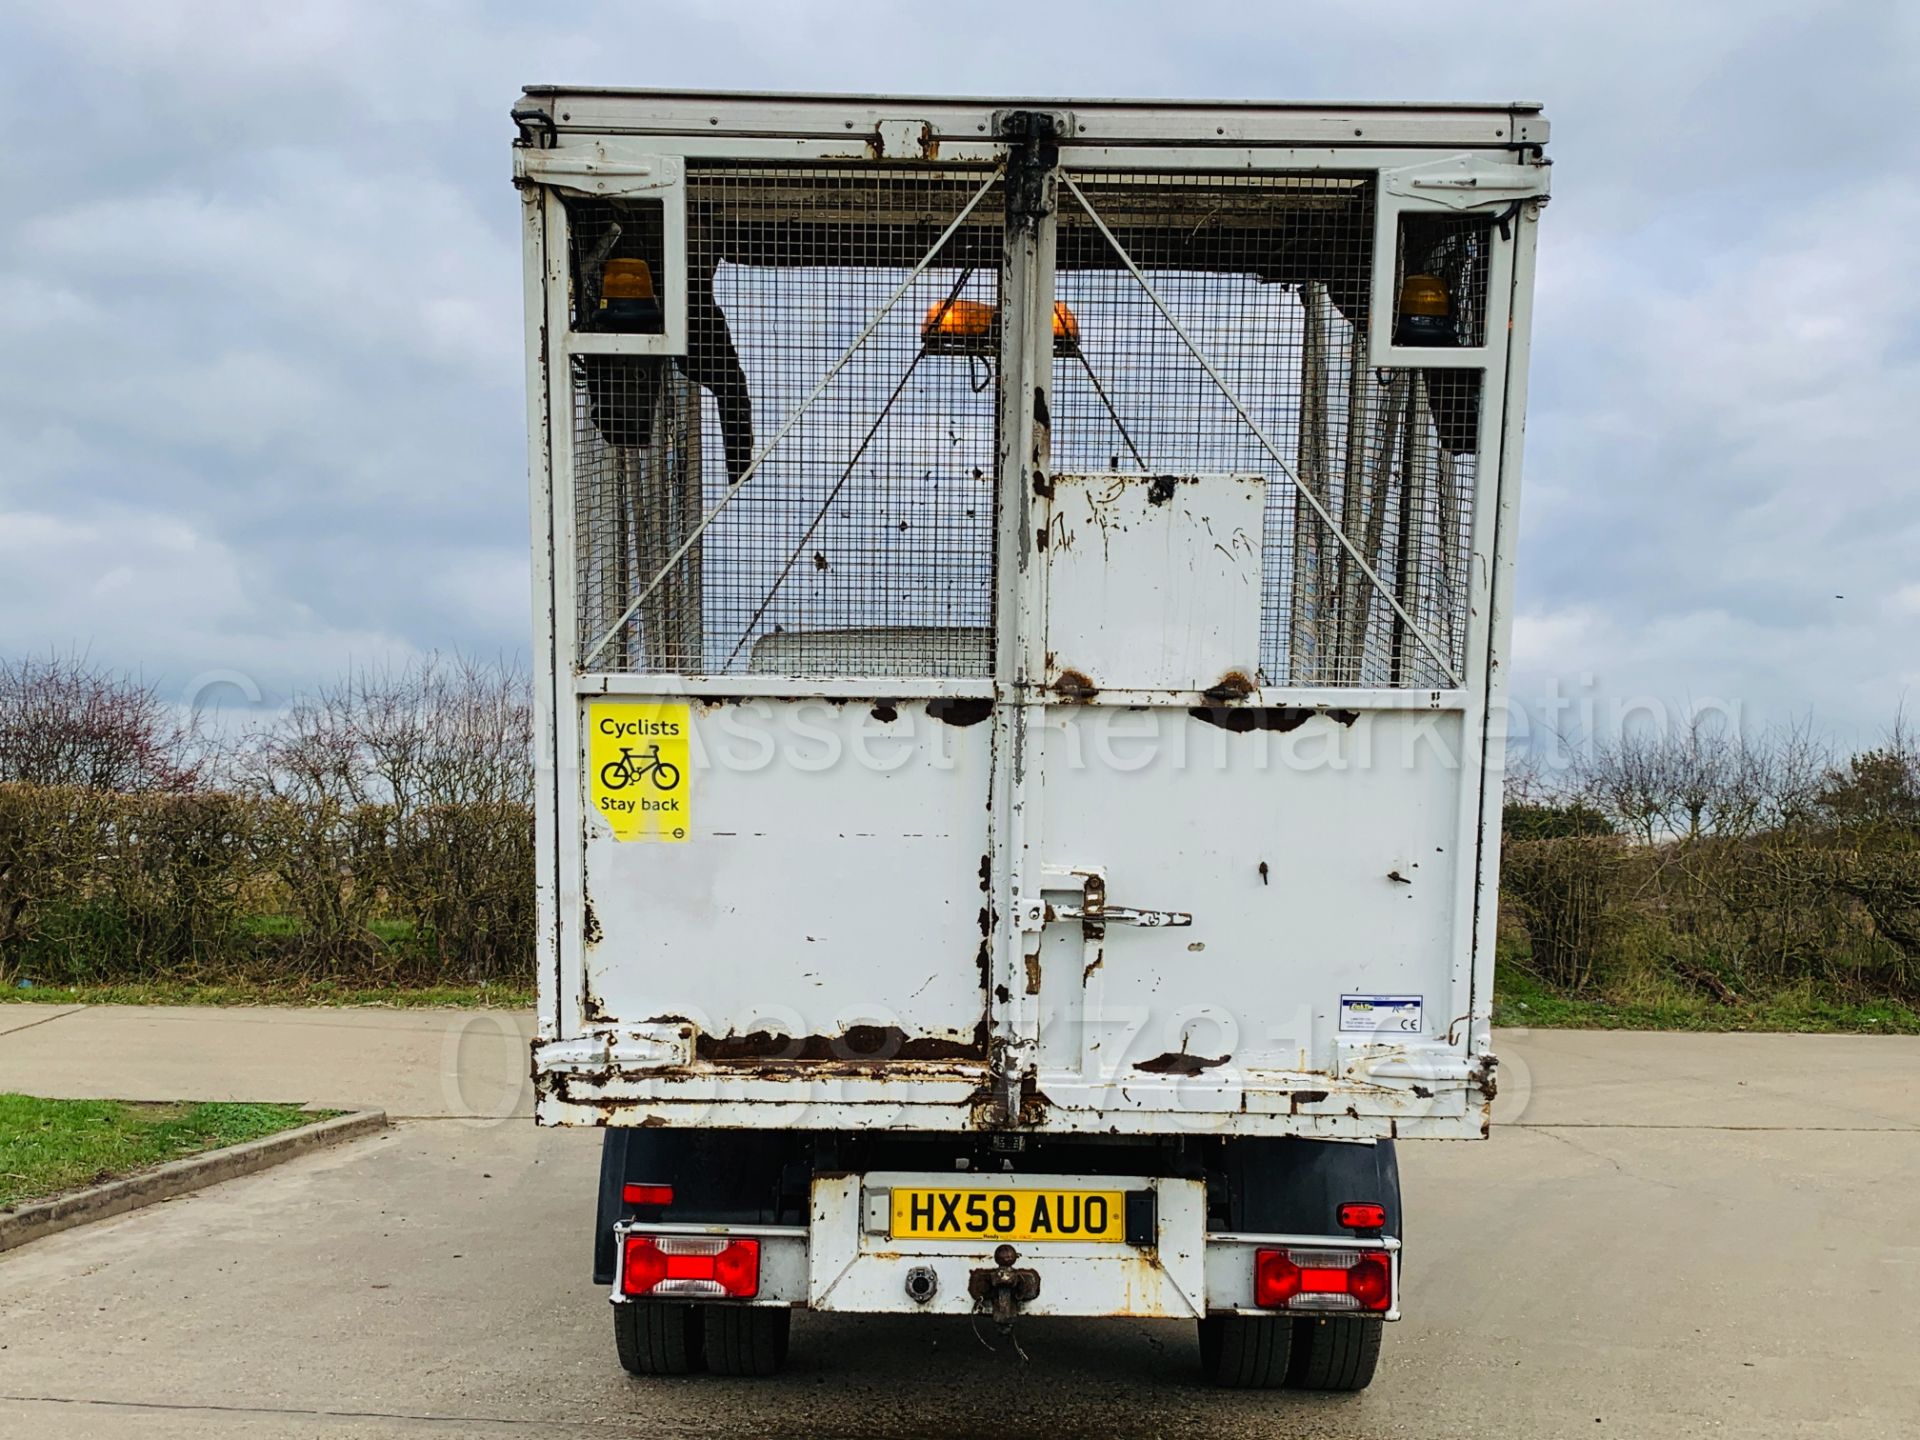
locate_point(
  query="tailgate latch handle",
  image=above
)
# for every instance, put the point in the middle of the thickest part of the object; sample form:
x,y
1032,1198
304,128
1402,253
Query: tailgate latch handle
x,y
1093,910
1121,915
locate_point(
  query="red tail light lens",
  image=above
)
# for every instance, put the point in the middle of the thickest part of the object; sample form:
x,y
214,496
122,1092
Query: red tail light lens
x,y
1323,1280
691,1265
1371,1281
1355,1215
647,1194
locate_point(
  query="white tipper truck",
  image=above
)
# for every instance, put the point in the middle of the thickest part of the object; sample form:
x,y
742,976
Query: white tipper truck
x,y
1022,598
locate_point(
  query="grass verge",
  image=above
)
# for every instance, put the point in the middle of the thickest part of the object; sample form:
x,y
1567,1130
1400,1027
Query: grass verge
x,y
51,1146
165,992
1520,999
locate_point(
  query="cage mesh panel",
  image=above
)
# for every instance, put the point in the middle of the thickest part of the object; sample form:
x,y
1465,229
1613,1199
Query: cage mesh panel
x,y
864,542
635,503
1269,276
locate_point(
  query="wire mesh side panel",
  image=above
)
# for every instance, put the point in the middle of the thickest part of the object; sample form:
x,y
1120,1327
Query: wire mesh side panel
x,y
861,542
1269,275
637,498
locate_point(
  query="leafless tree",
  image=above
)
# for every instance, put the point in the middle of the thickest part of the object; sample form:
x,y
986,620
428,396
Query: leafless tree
x,y
67,721
1704,780
407,791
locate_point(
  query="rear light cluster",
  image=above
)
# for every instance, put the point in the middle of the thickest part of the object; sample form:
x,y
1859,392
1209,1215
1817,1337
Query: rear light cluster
x,y
692,1265
1323,1279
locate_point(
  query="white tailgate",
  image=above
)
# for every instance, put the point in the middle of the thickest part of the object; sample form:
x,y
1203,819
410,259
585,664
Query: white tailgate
x,y
826,901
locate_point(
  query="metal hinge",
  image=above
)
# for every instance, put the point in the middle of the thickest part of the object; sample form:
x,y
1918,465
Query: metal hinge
x,y
1033,151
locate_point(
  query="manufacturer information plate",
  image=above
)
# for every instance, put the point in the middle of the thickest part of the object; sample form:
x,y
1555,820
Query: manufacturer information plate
x,y
1380,1014
945,1214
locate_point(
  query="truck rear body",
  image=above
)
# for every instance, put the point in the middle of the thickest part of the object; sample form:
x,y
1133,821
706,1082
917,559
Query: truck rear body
x,y
1023,592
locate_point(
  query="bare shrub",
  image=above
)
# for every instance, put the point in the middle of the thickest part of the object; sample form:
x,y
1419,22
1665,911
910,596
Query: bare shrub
x,y
1702,780
50,841
455,747
1565,894
65,721
1882,873
405,795
1878,788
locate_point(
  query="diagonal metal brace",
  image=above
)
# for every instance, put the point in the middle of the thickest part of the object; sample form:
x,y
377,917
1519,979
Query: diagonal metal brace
x,y
1278,459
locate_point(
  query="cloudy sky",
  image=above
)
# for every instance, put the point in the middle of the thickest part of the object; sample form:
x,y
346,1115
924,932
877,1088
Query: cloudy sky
x,y
260,384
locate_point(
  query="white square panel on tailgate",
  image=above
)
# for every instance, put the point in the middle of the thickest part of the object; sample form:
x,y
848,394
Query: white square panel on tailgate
x,y
1153,582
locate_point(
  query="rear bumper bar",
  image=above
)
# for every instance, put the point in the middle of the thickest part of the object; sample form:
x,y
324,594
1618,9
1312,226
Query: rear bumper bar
x,y
845,1260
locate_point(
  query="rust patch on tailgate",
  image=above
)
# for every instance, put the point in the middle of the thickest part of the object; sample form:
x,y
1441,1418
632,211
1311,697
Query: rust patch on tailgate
x,y
957,710
861,1044
1241,720
1178,1062
1234,685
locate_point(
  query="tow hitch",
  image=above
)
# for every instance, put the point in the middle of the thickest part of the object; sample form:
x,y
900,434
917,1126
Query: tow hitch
x,y
1001,1289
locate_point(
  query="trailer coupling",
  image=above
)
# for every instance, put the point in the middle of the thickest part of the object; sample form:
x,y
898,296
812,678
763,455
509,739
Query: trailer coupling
x,y
1000,1289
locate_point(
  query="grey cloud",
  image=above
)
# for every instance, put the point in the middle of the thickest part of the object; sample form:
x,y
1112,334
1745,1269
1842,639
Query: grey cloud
x,y
260,382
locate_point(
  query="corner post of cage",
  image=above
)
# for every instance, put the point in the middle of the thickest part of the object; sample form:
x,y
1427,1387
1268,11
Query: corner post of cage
x,y
546,691
1483,648
1025,458
1505,507
569,819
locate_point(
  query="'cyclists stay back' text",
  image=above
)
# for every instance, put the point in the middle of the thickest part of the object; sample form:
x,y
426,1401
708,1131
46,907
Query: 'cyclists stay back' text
x,y
637,769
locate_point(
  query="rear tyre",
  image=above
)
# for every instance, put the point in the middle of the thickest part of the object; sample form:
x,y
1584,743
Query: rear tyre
x,y
656,1339
747,1339
1245,1352
1334,1354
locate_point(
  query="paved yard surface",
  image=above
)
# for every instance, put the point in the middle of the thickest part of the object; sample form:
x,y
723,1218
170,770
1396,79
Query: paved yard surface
x,y
1671,1236
417,1062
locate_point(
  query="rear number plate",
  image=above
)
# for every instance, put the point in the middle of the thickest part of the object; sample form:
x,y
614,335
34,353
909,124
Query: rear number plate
x,y
945,1214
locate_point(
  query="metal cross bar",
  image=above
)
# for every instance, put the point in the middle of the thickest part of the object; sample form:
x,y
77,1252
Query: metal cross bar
x,y
1107,400
754,465
1253,425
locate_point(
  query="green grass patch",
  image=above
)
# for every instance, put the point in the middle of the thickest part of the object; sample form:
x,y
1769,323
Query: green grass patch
x,y
319,992
51,1146
1520,999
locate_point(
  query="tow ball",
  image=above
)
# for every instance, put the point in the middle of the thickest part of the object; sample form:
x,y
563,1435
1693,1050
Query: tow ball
x,y
1000,1288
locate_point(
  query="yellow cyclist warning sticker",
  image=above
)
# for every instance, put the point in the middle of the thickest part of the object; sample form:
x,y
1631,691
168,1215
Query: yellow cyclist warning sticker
x,y
637,768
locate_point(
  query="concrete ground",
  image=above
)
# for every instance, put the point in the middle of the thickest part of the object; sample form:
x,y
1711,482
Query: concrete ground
x,y
1668,1236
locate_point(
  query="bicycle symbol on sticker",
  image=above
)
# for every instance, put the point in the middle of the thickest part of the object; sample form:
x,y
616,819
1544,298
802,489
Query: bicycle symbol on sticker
x,y
637,769
618,774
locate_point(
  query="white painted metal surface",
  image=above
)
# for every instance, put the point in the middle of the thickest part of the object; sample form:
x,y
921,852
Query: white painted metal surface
x,y
917,864
1153,581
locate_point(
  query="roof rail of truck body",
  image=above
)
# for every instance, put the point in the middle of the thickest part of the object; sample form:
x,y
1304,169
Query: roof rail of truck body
x,y
1514,124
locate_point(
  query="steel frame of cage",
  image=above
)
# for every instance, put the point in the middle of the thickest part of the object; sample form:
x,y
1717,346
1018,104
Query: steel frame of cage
x,y
1425,158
